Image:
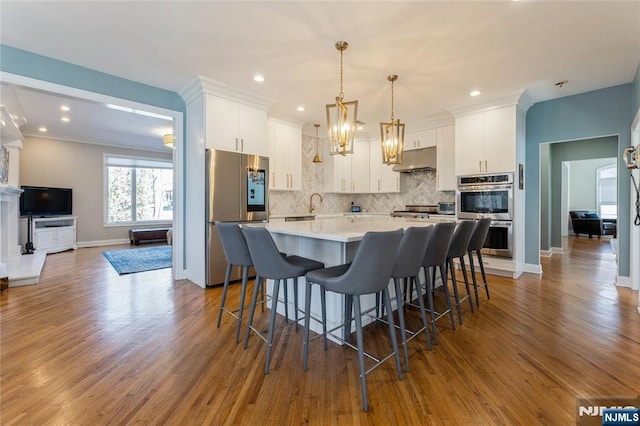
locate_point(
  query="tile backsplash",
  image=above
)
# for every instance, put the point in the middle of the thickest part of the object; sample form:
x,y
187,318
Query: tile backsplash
x,y
416,188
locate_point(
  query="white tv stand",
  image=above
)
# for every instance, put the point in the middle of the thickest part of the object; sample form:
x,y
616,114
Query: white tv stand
x,y
51,234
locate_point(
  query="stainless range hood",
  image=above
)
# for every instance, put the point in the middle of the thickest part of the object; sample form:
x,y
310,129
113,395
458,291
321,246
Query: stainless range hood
x,y
417,160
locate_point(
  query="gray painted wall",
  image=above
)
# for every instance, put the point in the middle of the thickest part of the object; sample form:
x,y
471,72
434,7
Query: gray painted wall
x,y
48,162
605,112
568,151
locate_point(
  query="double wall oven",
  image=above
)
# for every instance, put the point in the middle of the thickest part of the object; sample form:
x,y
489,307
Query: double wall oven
x,y
489,195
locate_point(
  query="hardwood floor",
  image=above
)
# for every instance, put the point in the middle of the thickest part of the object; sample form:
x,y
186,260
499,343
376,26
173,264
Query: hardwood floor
x,y
86,346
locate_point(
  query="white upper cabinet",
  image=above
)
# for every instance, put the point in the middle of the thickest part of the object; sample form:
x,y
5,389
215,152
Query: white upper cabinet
x,y
420,139
234,126
381,176
485,142
360,167
445,158
347,174
284,141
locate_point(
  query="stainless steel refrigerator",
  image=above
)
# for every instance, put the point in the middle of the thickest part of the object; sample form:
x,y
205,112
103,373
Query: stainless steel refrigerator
x,y
236,191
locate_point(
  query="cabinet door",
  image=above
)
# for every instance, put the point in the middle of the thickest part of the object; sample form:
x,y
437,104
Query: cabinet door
x,y
278,157
428,138
252,130
500,140
44,239
360,167
468,146
411,141
375,166
66,236
291,145
222,124
445,159
389,180
337,173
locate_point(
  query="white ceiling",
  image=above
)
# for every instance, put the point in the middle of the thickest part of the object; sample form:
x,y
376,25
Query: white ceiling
x,y
440,50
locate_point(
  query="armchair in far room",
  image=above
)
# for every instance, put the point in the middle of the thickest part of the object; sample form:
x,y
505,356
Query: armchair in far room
x,y
589,223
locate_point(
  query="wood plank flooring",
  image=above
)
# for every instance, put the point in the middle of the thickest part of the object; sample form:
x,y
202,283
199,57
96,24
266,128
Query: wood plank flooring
x,y
89,347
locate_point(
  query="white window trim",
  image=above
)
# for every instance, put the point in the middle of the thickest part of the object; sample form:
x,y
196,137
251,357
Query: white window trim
x,y
613,166
133,161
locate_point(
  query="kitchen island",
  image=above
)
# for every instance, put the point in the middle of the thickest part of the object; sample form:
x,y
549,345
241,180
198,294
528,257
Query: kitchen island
x,y
333,241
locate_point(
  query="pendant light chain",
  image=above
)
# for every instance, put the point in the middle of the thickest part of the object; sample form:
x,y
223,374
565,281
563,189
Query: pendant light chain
x,y
392,115
341,73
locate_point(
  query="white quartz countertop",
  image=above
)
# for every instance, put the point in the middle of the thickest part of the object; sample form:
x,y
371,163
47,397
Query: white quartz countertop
x,y
344,229
325,215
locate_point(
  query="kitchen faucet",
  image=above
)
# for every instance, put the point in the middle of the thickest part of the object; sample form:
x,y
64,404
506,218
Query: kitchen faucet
x,y
311,208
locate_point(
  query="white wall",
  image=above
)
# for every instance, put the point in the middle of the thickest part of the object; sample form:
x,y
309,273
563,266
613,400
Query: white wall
x,y
582,182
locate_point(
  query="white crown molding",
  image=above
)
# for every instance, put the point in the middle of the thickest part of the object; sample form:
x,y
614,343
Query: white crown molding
x,y
284,121
520,98
204,85
433,121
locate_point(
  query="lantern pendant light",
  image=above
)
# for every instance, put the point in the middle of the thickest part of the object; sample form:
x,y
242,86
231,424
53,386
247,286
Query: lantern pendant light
x,y
342,117
317,158
392,135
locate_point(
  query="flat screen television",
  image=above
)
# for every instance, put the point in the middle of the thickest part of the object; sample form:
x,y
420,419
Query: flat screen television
x,y
45,201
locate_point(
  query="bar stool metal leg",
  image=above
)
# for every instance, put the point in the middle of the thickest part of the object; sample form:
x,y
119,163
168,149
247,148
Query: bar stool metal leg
x,y
243,291
227,277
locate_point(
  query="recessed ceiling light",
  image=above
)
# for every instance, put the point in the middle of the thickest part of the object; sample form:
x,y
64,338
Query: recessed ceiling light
x,y
360,127
64,108
65,119
475,92
300,108
259,78
42,129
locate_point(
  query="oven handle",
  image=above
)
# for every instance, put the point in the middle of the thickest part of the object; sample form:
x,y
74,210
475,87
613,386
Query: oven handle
x,y
483,188
501,223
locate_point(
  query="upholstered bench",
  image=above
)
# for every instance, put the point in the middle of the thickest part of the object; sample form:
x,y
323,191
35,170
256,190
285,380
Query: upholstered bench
x,y
137,235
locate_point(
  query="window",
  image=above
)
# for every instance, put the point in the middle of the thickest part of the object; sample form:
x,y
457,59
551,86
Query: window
x,y
138,190
607,199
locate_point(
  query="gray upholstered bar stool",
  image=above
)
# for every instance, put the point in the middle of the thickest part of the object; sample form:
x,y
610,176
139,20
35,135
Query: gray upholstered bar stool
x,y
457,250
269,264
237,254
436,257
475,245
406,269
369,273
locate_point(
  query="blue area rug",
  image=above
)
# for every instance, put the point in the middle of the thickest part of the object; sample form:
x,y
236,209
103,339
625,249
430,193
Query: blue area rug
x,y
129,261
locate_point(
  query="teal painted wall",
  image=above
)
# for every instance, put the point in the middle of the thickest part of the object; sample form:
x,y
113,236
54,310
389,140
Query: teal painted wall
x,y
570,151
606,112
39,67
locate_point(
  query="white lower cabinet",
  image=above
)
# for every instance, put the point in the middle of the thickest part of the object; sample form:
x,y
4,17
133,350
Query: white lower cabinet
x,y
51,234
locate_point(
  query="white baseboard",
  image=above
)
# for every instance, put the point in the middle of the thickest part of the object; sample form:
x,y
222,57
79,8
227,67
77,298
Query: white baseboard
x,y
99,243
551,252
623,281
532,269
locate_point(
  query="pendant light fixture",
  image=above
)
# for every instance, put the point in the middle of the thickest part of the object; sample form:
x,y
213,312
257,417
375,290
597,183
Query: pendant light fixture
x,y
392,135
317,158
342,117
